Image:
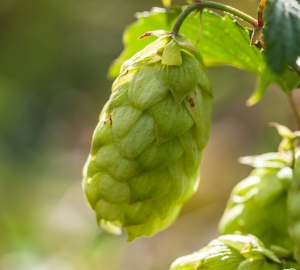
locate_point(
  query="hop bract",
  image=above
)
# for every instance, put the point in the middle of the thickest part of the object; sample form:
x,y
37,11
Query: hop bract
x,y
258,204
147,146
233,252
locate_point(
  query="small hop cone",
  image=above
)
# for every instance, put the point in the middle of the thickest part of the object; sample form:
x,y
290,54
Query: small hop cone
x,y
147,146
232,252
294,209
257,205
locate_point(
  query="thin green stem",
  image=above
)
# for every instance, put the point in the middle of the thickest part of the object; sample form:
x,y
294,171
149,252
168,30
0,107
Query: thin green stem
x,y
200,28
260,13
294,109
212,5
294,158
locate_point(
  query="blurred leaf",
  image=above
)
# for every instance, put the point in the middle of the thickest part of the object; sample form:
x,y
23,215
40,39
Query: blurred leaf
x,y
283,131
288,81
282,33
223,42
264,81
167,3
269,160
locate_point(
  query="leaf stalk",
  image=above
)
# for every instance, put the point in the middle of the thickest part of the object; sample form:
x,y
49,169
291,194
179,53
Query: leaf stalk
x,y
212,5
294,109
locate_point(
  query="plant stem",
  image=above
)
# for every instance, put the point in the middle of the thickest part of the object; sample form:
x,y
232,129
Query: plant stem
x,y
213,5
200,29
294,158
294,109
260,13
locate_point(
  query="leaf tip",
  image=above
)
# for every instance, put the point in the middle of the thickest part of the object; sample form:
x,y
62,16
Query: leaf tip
x,y
282,130
147,34
249,103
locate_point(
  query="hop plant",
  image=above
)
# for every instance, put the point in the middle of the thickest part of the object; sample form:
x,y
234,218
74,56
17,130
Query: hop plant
x,y
147,146
233,252
258,204
294,209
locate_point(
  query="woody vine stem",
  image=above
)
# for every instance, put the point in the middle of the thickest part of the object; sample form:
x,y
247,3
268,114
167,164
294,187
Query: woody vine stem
x,y
245,17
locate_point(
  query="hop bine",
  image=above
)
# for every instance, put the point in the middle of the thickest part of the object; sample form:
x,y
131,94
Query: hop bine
x,y
233,252
147,146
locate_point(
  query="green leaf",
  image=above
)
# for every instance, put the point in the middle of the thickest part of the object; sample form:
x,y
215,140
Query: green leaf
x,y
264,81
288,81
193,13
223,42
282,33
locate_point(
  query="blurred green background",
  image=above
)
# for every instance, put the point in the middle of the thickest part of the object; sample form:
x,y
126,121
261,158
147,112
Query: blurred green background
x,y
54,58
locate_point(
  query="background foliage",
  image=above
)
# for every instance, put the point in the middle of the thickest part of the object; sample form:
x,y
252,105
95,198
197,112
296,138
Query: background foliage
x,y
53,67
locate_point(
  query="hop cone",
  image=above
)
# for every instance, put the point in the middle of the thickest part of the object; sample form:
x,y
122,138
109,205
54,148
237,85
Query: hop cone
x,y
147,146
232,252
294,209
258,204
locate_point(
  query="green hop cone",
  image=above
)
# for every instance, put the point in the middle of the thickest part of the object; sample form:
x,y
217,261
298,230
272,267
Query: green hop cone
x,y
294,209
233,252
147,146
258,204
